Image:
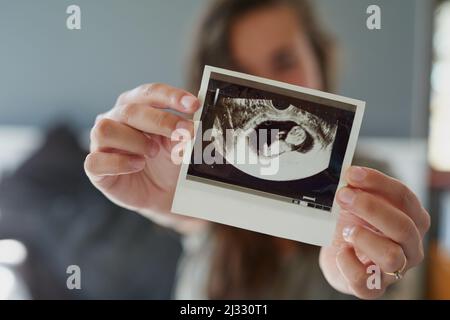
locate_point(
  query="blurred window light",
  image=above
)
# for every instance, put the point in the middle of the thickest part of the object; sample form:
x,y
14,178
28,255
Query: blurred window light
x,y
12,252
7,283
439,150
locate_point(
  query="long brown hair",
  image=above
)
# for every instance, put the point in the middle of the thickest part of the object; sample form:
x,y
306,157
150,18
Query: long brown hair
x,y
244,261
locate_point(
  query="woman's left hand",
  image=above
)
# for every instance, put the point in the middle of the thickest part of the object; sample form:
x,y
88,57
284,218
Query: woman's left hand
x,y
381,222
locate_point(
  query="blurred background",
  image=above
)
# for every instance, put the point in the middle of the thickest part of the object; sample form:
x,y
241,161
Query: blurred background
x,y
54,82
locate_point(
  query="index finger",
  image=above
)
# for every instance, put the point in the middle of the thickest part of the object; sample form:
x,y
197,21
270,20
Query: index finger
x,y
393,191
159,95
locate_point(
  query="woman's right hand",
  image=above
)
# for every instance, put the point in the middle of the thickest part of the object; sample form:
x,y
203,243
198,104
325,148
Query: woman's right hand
x,y
130,152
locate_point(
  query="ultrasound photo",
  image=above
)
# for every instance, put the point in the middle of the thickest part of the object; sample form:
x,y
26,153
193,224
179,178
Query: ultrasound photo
x,y
302,138
267,156
300,141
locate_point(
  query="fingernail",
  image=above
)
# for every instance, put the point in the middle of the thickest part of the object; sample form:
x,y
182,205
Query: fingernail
x,y
357,174
346,196
347,233
137,163
188,102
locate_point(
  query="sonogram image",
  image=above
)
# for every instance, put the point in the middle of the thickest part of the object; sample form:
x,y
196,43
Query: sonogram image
x,y
303,140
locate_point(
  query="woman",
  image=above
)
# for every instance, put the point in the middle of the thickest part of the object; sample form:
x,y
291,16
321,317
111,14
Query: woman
x,y
381,221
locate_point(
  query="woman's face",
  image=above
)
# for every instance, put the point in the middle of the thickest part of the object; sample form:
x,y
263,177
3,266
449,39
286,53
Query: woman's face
x,y
270,43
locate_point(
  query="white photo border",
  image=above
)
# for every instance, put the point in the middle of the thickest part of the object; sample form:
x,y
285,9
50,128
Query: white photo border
x,y
253,212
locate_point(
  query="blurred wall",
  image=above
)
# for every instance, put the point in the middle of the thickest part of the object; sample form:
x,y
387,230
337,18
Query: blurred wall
x,y
48,72
388,68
